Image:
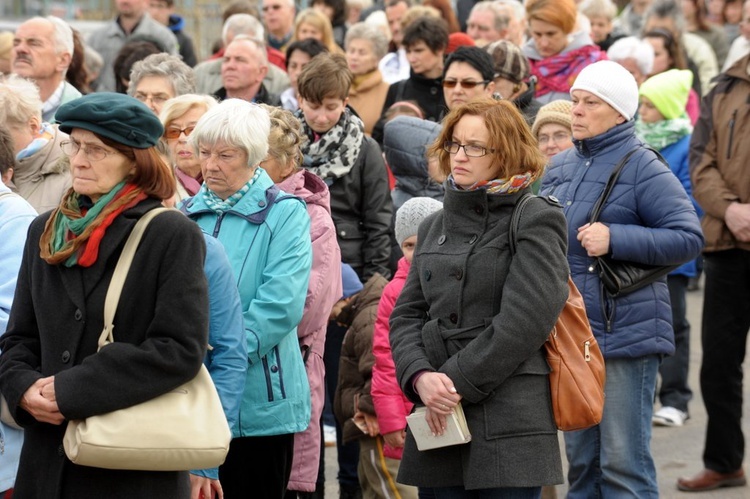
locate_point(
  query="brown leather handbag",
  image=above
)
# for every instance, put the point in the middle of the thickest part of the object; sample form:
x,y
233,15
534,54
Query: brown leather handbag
x,y
577,377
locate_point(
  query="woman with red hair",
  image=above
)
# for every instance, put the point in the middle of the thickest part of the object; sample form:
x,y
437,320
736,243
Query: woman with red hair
x,y
556,53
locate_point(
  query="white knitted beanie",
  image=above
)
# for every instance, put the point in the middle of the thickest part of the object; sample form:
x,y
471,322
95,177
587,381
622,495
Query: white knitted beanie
x,y
612,83
411,214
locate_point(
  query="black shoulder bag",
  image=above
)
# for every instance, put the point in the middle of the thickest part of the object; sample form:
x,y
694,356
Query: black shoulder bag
x,y
620,277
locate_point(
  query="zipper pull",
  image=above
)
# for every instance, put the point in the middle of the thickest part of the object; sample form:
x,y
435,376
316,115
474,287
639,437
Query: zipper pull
x,y
587,351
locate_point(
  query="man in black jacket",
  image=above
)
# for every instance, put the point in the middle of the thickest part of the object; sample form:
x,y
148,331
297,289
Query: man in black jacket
x,y
163,12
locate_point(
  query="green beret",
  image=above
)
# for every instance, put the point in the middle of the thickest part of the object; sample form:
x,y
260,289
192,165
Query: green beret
x,y
118,117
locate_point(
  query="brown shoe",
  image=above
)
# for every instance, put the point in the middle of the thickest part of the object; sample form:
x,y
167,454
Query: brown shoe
x,y
710,480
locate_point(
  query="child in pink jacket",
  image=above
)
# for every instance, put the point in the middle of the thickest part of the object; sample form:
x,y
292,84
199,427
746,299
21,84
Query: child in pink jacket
x,y
391,405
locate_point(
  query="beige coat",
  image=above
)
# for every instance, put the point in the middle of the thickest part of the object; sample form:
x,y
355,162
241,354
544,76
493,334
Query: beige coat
x,y
367,97
44,177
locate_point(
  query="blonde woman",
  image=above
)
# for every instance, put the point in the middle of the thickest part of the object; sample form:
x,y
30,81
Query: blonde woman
x,y
312,23
179,117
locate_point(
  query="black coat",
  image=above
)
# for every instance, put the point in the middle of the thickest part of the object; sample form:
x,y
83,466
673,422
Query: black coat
x,y
361,209
161,330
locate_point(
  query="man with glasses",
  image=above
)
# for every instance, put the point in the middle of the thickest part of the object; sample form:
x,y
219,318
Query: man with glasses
x,y
278,16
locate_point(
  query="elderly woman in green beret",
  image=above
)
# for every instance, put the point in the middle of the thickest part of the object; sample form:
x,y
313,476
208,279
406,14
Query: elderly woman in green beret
x,y
50,370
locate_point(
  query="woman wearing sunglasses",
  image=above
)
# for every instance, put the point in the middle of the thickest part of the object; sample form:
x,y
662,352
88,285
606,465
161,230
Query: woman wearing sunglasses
x,y
468,75
471,320
179,116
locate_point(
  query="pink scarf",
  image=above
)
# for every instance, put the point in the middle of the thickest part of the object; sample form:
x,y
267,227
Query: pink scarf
x,y
557,73
191,185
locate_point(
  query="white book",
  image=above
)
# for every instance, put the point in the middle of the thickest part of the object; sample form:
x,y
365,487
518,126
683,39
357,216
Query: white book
x,y
455,433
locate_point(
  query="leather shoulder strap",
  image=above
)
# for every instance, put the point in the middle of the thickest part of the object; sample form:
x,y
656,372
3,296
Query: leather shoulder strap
x,y
121,273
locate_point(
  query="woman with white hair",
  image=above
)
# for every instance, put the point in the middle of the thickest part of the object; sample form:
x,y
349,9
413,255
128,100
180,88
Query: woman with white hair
x,y
42,174
267,237
365,46
635,55
179,117
158,78
648,219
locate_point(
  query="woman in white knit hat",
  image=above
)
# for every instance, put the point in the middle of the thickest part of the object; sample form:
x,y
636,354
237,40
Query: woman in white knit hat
x,y
649,219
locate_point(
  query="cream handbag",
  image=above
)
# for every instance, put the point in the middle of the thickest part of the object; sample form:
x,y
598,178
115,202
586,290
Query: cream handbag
x,y
184,429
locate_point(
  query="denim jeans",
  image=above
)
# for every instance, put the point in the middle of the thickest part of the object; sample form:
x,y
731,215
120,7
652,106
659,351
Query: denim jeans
x,y
674,391
726,320
613,459
498,493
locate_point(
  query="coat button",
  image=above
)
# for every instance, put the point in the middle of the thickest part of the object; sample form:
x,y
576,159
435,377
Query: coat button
x,y
78,315
274,369
60,450
427,275
343,233
479,209
441,239
453,318
65,357
434,91
459,274
261,203
473,239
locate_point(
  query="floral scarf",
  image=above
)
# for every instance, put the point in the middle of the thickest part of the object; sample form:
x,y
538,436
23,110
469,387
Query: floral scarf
x,y
558,73
497,186
663,133
76,228
334,153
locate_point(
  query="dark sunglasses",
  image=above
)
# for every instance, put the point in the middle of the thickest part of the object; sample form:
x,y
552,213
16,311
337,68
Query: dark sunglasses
x,y
468,85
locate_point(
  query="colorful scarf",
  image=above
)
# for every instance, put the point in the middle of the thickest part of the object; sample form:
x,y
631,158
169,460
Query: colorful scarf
x,y
74,232
334,153
46,133
218,205
498,185
559,72
191,185
663,133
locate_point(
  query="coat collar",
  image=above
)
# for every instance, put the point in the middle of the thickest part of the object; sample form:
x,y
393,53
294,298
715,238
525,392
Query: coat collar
x,y
610,139
463,210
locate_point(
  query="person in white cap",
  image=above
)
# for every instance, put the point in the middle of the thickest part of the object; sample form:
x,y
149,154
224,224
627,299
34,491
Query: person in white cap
x,y
648,218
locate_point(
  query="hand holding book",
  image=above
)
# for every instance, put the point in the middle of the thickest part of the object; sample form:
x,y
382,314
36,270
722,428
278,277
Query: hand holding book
x,y
439,395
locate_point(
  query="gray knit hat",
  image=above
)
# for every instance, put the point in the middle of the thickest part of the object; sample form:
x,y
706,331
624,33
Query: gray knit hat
x,y
411,214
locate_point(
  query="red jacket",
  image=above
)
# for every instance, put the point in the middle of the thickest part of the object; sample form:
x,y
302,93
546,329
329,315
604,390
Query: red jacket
x,y
391,405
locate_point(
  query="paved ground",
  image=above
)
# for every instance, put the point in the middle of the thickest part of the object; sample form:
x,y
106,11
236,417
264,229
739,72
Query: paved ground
x,y
677,451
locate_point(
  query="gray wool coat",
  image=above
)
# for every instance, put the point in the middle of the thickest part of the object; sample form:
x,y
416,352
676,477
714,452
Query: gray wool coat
x,y
480,316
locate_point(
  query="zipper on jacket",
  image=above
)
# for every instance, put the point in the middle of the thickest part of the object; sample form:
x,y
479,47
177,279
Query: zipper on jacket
x,y
269,387
731,133
587,351
281,374
607,312
217,226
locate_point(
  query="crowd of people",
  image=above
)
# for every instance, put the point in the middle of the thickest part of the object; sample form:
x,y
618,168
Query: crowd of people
x,y
343,178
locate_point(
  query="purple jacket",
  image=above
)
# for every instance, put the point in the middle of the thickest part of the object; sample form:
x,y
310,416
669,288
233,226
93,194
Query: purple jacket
x,y
323,291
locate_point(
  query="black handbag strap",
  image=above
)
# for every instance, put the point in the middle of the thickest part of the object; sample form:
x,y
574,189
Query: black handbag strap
x,y
515,219
613,177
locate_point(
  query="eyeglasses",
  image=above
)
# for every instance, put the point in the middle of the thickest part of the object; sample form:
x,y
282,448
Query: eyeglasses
x,y
470,150
277,6
174,132
157,99
467,84
557,138
92,153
